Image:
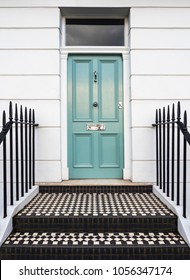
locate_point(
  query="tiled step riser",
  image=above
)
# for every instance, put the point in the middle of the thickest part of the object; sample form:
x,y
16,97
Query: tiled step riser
x,y
140,253
96,189
95,224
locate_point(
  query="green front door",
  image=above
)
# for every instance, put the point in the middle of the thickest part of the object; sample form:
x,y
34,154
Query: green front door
x,y
95,117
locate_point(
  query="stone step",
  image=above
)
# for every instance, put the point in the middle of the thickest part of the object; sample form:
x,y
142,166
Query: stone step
x,y
123,245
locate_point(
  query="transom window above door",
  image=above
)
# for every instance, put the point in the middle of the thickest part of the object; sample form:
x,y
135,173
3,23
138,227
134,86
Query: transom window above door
x,y
94,32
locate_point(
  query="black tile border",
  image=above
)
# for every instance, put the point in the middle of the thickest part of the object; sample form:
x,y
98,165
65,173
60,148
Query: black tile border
x,y
91,253
96,189
95,224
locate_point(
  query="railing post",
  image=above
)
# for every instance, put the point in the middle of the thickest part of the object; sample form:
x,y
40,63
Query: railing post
x,y
173,153
4,170
11,154
30,149
168,152
33,147
178,153
26,151
160,146
157,165
164,151
184,167
21,152
16,153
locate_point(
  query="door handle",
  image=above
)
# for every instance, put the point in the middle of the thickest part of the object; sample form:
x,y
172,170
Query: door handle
x,y
95,104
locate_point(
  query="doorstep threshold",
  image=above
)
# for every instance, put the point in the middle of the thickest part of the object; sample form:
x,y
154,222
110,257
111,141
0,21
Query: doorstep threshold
x,y
95,182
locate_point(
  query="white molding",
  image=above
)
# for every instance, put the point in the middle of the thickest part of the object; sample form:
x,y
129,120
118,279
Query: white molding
x,y
6,224
93,50
97,3
183,223
64,136
65,51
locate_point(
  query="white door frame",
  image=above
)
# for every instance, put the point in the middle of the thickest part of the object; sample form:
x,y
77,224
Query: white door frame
x,y
65,51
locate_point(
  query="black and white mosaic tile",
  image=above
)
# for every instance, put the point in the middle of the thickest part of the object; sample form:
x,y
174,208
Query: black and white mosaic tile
x,y
96,204
95,239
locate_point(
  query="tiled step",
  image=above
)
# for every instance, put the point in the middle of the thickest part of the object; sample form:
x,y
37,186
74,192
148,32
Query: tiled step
x,y
95,212
95,222
124,245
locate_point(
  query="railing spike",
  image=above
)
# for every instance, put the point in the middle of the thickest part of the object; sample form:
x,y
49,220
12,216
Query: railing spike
x,y
168,114
16,112
10,111
26,114
173,112
185,119
30,115
156,118
4,118
160,116
164,114
21,114
178,110
33,116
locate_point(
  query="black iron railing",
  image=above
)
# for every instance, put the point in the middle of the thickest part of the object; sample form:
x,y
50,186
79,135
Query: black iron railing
x,y
172,137
18,140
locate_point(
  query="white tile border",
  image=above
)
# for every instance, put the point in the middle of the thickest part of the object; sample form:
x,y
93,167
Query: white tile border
x,y
183,223
6,224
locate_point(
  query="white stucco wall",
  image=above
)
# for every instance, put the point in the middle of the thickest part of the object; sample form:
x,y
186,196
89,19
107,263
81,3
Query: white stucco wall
x,y
30,75
160,75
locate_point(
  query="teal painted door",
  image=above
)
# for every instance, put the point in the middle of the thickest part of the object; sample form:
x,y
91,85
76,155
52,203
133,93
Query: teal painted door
x,y
95,117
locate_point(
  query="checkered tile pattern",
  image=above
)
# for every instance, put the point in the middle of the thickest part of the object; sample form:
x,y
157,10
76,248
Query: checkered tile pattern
x,y
92,239
94,204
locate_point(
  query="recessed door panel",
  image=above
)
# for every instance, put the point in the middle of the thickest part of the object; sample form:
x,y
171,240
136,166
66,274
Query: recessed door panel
x,y
82,90
95,121
82,150
108,90
109,150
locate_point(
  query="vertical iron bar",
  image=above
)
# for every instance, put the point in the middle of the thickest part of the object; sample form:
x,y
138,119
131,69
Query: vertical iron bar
x,y
184,167
30,149
173,153
160,146
21,152
26,152
168,151
33,147
178,153
4,170
16,153
157,165
11,154
164,150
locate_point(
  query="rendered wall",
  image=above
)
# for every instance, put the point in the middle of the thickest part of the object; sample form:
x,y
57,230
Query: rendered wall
x,y
160,75
30,75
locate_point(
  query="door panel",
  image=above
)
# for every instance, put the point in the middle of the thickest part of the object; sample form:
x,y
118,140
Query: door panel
x,y
82,150
109,150
82,90
95,131
108,90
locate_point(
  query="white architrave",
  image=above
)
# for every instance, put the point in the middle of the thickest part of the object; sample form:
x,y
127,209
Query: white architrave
x,y
65,51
